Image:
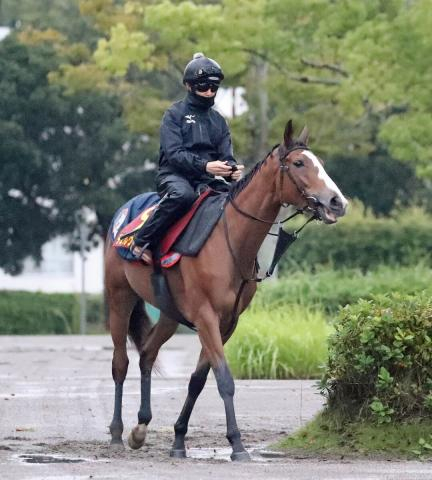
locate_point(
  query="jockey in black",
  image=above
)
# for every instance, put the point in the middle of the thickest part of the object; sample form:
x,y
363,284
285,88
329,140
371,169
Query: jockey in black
x,y
195,146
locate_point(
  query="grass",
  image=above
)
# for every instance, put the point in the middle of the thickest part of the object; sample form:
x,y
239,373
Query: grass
x,y
284,342
409,440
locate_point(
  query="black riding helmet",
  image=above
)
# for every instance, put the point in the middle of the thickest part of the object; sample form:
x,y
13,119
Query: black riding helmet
x,y
202,68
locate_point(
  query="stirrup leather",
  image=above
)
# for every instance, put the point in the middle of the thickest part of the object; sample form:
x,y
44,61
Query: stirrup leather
x,y
142,253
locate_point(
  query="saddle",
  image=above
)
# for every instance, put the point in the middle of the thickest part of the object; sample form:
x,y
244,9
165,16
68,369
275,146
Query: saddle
x,y
185,237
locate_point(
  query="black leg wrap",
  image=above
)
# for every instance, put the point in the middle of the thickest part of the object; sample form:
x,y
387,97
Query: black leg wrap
x,y
145,414
116,427
196,385
226,389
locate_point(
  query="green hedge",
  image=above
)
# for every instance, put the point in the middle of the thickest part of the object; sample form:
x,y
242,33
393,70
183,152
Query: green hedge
x,y
329,289
380,359
39,313
363,242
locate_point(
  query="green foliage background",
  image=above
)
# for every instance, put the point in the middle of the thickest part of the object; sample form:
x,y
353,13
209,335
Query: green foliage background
x,y
364,242
356,72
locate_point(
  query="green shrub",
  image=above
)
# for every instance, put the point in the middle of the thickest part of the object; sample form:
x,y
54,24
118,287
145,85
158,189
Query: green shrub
x,y
363,242
380,359
29,313
285,342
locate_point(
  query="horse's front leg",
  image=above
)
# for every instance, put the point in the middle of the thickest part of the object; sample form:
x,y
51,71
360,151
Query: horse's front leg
x,y
159,334
196,384
211,341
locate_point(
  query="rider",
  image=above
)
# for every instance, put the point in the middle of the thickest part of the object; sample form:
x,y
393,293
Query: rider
x,y
195,146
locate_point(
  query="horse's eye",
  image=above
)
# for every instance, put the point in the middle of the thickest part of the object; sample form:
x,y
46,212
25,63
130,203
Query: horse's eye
x,y
298,163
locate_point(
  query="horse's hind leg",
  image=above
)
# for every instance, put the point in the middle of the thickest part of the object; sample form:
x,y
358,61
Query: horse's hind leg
x,y
196,385
121,305
159,334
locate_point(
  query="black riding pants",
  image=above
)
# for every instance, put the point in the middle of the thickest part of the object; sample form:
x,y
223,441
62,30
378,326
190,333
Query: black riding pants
x,y
177,195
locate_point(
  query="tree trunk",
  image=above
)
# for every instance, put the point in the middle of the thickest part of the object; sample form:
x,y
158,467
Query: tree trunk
x,y
265,255
263,107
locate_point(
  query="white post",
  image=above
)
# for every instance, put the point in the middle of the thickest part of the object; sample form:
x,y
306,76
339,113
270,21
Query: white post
x,y
83,299
82,230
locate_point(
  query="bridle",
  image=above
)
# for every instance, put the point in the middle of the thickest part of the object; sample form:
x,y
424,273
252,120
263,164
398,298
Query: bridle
x,y
312,202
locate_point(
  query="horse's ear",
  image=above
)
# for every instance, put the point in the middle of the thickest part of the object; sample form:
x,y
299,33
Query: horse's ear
x,y
304,136
288,134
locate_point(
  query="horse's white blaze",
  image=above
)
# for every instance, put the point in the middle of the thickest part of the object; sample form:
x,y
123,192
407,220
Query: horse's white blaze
x,y
323,175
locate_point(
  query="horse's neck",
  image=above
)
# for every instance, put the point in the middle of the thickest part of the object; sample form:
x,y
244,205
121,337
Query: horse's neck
x,y
259,199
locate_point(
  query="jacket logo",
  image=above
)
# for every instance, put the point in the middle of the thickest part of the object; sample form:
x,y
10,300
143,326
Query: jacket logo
x,y
190,118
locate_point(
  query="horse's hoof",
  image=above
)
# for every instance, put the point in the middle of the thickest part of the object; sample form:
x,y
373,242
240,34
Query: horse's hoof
x,y
137,436
117,444
240,457
177,453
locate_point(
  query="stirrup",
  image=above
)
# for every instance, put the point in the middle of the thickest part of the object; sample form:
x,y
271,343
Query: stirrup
x,y
142,253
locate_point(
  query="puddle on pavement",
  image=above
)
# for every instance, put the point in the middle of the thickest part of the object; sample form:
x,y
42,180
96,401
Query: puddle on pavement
x,y
209,453
224,454
271,454
36,458
65,477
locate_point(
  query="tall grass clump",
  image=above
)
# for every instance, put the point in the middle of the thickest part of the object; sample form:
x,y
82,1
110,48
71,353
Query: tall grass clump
x,y
285,342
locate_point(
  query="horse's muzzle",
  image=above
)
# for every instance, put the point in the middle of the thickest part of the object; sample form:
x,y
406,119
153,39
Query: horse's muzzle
x,y
329,211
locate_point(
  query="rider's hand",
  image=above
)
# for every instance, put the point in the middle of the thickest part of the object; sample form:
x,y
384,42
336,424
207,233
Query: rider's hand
x,y
238,173
219,168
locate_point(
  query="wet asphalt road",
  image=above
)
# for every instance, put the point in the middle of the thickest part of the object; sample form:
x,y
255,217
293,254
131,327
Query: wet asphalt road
x,y
56,399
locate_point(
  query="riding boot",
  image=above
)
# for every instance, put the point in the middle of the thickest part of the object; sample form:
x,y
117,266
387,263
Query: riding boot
x,y
148,236
177,197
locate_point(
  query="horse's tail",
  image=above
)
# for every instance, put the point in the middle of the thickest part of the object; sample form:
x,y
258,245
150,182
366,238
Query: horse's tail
x,y
139,325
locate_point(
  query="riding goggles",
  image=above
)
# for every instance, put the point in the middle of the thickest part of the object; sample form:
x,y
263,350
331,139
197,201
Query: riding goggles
x,y
204,86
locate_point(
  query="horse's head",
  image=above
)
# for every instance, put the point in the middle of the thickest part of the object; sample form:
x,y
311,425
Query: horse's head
x,y
303,181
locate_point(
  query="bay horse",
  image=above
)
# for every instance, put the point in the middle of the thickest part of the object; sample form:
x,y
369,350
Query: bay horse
x,y
212,289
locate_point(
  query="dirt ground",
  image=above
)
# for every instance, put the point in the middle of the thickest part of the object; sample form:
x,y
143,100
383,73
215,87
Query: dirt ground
x,y
56,401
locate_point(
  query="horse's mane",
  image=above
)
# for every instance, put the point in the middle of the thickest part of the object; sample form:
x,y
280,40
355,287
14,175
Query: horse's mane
x,y
238,187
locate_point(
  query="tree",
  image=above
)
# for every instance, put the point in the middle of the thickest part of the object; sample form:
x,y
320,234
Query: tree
x,y
59,153
337,66
394,79
63,16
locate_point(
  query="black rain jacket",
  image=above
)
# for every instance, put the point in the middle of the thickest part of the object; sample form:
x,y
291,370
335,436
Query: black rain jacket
x,y
191,136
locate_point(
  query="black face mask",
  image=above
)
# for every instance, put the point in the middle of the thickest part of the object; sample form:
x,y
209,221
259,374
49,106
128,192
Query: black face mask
x,y
198,101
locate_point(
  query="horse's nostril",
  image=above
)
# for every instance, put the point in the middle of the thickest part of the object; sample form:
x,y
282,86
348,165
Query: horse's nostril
x,y
336,202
